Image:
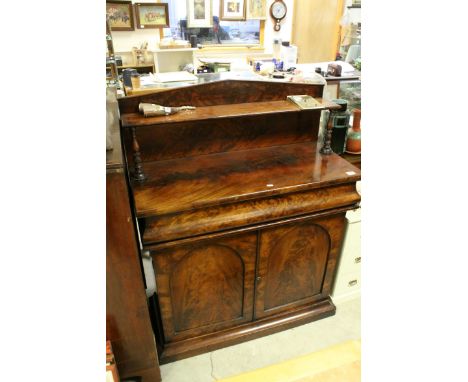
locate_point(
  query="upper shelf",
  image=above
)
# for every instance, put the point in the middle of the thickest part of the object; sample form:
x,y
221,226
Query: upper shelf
x,y
218,111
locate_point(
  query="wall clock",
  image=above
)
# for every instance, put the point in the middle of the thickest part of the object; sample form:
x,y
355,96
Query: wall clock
x,y
278,12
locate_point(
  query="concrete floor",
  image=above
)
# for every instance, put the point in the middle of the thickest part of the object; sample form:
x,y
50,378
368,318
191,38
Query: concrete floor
x,y
279,347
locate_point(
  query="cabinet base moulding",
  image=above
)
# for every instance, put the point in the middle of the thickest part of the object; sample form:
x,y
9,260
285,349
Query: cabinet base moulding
x,y
183,349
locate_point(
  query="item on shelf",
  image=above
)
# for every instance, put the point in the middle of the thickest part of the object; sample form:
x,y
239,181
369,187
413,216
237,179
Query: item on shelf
x,y
140,56
204,69
338,122
170,43
288,55
353,143
277,49
279,65
152,110
278,75
193,41
305,102
180,76
188,68
334,70
135,79
126,75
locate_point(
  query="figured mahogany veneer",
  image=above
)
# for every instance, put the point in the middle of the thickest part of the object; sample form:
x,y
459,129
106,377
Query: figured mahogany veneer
x,y
243,216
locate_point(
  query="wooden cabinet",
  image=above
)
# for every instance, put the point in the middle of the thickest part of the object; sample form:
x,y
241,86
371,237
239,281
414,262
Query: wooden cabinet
x,y
214,285
240,211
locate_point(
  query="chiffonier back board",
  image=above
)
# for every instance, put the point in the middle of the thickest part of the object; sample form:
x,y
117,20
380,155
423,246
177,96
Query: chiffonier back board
x,y
241,213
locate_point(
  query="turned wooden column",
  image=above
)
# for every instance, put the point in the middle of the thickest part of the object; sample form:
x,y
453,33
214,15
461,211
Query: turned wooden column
x,y
326,149
138,169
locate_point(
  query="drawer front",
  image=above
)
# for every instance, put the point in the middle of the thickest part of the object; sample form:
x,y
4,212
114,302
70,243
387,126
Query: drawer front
x,y
347,283
241,214
350,260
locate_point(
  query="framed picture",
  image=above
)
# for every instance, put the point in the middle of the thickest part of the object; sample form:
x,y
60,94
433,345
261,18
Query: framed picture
x,y
120,15
232,10
199,13
256,9
152,15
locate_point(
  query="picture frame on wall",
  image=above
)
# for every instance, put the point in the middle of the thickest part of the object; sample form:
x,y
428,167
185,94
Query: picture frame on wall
x,y
199,13
256,10
232,10
152,15
120,14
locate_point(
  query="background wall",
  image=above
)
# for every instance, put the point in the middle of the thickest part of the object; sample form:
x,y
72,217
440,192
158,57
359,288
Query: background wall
x,y
124,41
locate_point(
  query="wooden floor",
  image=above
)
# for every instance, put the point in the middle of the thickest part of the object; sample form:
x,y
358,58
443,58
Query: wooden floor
x,y
338,363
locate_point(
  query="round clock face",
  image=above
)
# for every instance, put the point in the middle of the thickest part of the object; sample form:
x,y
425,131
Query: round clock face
x,y
278,10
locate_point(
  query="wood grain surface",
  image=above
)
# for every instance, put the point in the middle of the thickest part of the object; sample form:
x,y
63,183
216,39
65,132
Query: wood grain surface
x,y
193,138
206,287
217,179
296,262
221,93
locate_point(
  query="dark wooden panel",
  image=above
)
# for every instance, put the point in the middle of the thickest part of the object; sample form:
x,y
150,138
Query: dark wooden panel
x,y
293,261
214,272
205,287
221,93
128,324
203,181
161,142
250,228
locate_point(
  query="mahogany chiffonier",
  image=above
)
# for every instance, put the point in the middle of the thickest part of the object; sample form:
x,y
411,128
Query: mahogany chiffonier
x,y
241,213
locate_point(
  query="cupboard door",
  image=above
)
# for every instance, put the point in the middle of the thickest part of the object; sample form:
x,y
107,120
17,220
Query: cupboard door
x,y
296,264
205,287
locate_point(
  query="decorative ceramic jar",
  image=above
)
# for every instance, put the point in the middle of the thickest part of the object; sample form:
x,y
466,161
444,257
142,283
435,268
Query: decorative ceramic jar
x,y
353,143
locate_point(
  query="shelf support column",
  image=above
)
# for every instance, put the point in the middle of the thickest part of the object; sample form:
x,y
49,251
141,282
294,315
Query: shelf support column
x,y
326,149
138,174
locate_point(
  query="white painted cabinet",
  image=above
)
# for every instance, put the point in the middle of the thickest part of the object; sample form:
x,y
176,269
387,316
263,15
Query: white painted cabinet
x,y
348,278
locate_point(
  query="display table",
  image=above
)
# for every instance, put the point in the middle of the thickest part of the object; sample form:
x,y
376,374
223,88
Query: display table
x,y
243,216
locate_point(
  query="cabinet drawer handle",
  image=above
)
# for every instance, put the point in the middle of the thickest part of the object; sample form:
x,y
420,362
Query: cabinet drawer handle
x,y
357,259
352,283
258,278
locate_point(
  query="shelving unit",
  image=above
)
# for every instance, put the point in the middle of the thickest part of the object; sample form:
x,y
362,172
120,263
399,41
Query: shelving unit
x,y
147,68
164,62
